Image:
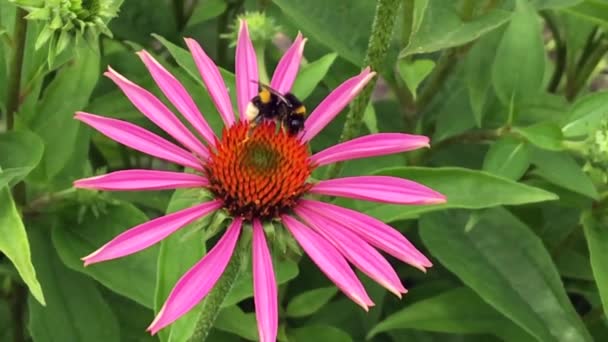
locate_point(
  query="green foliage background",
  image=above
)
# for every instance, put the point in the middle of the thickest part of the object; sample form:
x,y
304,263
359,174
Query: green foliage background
x,y
511,93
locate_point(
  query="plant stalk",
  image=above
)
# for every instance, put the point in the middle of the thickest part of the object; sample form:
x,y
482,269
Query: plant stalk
x,y
379,42
212,304
14,77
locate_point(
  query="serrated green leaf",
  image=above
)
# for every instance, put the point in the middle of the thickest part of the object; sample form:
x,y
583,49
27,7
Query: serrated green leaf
x,y
464,188
545,135
518,69
20,152
443,28
206,10
15,246
307,303
75,309
458,311
502,260
311,75
132,276
507,157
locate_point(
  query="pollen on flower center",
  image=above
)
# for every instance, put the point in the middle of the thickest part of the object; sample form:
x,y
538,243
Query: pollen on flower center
x,y
258,172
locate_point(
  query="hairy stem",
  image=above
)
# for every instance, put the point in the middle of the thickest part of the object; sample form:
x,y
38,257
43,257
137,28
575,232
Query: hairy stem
x,y
379,41
13,97
14,78
213,302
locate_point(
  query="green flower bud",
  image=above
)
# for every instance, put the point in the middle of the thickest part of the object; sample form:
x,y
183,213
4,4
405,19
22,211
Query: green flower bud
x,y
69,21
261,28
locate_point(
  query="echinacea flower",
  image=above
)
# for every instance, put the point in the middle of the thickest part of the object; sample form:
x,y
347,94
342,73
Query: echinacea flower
x,y
258,174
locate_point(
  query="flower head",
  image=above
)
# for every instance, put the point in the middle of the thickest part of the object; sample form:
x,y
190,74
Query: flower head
x,y
259,173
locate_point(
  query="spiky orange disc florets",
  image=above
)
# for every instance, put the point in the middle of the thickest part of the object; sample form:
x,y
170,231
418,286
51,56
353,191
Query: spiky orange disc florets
x,y
258,172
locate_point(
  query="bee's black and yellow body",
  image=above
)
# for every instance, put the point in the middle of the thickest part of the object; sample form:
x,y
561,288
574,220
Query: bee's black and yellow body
x,y
271,105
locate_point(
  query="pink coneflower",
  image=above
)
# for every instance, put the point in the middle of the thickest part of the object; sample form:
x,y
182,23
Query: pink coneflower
x,y
259,174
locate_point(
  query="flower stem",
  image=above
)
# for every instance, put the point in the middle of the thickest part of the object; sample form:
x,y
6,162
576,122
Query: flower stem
x,y
379,42
13,97
213,302
14,78
262,71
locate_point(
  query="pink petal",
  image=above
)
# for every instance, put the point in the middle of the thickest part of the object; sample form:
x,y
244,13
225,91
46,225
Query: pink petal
x,y
199,280
140,139
142,180
158,113
334,103
264,287
371,145
246,70
380,189
178,95
149,233
355,249
329,260
213,81
375,232
286,71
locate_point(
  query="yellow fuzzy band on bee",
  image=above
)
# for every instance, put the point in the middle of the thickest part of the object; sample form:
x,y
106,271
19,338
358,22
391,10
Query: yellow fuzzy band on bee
x,y
264,96
301,110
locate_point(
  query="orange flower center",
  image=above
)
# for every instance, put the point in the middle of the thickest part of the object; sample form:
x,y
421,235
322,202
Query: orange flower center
x,y
258,172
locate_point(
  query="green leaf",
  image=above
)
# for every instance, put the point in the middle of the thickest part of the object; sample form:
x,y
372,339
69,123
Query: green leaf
x,y
319,333
507,157
519,65
20,152
458,311
285,270
75,310
479,80
542,4
502,260
596,234
311,74
332,24
206,10
586,115
414,72
561,169
132,276
54,120
178,253
370,119
545,135
443,28
307,303
464,188
595,11
232,319
14,244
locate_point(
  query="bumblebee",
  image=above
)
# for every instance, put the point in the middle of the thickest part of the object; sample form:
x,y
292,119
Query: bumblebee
x,y
269,104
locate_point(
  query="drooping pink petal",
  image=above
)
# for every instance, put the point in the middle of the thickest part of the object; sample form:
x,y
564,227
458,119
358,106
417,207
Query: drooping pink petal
x,y
246,70
142,180
355,249
199,280
149,233
329,260
178,95
334,103
374,231
286,71
264,287
379,189
371,145
140,139
213,81
158,113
